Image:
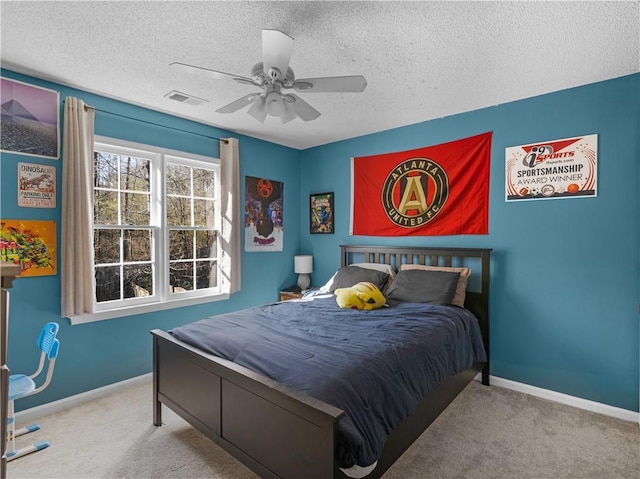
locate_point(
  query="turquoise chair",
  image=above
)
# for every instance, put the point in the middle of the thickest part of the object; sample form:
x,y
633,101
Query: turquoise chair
x,y
21,385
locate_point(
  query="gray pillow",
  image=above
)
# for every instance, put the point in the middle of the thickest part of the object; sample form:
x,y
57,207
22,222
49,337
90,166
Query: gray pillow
x,y
423,286
347,276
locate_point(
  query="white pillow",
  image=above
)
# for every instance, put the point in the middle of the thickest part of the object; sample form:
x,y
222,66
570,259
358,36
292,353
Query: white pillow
x,y
461,288
385,268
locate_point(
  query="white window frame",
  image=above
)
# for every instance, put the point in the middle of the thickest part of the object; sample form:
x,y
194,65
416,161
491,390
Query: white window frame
x,y
161,299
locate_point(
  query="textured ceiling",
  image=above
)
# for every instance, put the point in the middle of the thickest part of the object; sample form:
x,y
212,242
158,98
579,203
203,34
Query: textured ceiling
x,y
422,60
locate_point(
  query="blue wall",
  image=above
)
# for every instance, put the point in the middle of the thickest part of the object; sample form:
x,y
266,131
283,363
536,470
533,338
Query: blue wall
x,y
565,273
564,298
104,352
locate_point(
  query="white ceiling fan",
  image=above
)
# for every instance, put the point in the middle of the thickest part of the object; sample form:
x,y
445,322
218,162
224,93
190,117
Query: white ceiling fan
x,y
274,76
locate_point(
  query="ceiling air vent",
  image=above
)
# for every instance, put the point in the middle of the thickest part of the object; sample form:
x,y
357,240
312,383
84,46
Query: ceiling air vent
x,y
184,98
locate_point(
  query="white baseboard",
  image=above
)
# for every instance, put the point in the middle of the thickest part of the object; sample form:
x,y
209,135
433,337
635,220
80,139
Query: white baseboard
x,y
577,402
29,415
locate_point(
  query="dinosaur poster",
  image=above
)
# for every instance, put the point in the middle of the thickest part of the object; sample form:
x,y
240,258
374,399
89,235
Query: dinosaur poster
x,y
36,185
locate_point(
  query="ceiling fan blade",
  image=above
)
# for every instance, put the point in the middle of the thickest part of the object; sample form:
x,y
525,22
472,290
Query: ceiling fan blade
x,y
238,104
305,111
191,69
289,113
276,52
356,83
259,109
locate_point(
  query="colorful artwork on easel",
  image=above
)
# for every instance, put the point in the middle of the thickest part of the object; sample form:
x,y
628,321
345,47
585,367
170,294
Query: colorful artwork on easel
x,y
31,244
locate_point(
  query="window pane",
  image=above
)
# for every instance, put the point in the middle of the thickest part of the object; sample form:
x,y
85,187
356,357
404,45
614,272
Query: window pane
x,y
106,246
203,212
180,276
178,211
206,274
105,208
203,183
136,245
206,244
135,208
178,180
138,281
134,174
107,283
180,244
105,170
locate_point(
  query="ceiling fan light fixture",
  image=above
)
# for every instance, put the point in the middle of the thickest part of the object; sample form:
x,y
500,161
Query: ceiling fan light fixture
x,y
258,109
275,104
289,113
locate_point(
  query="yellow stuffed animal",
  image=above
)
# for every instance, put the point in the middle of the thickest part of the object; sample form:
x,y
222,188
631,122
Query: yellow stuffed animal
x,y
363,295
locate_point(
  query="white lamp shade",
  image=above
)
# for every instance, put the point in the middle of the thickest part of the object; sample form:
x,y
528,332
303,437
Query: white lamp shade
x,y
303,264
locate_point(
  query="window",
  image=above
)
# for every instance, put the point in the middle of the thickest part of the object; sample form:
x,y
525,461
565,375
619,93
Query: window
x,y
156,226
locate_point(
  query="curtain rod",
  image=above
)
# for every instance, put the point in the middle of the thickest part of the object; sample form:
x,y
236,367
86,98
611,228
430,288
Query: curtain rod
x,y
87,107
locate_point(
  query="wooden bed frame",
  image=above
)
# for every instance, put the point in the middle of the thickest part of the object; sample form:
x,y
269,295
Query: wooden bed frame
x,y
276,431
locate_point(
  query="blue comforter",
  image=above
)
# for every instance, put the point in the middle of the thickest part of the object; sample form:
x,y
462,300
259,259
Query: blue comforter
x,y
374,365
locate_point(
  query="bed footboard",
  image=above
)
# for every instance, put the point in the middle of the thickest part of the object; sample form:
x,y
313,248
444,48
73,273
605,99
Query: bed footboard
x,y
273,430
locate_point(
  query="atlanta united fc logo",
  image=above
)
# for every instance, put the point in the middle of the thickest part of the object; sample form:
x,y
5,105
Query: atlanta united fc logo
x,y
414,192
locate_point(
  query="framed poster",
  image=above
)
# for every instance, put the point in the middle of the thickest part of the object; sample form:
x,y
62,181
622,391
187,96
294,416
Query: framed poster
x,y
555,169
263,215
30,119
321,213
31,244
36,185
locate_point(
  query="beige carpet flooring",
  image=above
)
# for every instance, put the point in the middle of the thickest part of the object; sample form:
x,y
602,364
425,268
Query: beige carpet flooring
x,y
486,433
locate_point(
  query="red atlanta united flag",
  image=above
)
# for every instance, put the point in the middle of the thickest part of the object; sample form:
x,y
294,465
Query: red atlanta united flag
x,y
437,190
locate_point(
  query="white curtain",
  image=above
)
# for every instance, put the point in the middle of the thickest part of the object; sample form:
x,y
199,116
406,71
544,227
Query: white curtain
x,y
231,221
76,270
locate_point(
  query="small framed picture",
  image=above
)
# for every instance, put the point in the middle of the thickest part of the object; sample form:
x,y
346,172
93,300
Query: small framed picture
x,y
321,213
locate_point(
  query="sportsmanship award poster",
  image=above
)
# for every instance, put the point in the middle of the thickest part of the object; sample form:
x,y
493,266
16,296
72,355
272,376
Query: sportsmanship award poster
x,y
554,169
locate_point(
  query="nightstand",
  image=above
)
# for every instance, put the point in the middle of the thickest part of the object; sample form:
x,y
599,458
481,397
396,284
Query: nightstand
x,y
287,295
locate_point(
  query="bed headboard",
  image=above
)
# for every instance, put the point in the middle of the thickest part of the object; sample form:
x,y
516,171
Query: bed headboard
x,y
478,259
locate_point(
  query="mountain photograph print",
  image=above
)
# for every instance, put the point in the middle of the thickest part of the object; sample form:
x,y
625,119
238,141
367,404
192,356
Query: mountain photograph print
x,y
30,120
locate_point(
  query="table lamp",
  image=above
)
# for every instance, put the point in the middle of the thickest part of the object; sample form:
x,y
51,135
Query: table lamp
x,y
303,266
